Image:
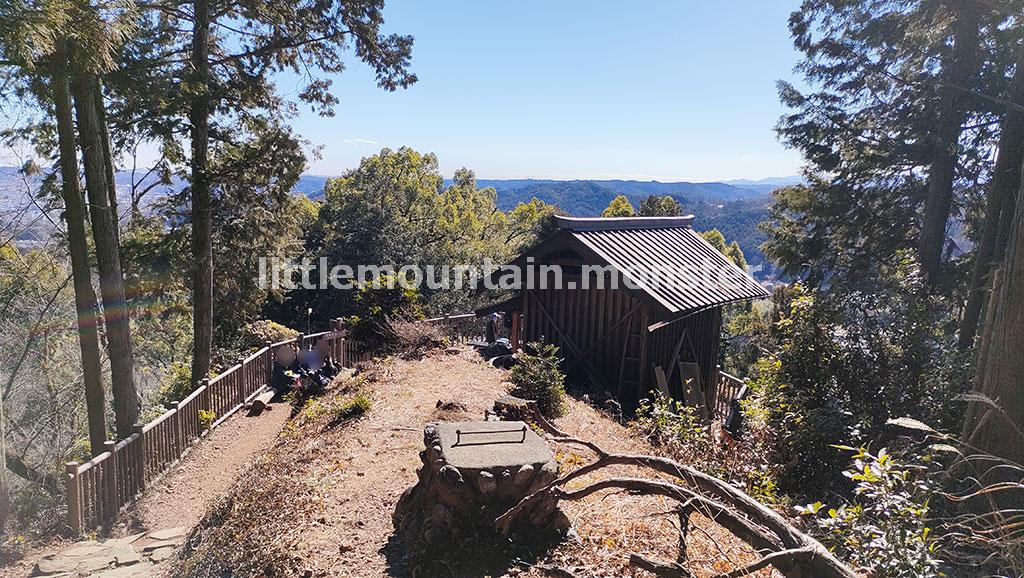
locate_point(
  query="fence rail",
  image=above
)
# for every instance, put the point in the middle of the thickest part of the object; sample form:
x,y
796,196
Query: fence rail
x,y
461,328
98,489
727,388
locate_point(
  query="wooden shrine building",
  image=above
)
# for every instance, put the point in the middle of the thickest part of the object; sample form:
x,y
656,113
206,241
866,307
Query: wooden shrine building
x,y
662,317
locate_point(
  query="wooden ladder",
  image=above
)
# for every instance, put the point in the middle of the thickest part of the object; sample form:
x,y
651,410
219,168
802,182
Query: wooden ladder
x,y
631,364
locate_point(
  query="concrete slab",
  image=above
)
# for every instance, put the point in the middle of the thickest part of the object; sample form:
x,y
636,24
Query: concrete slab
x,y
486,445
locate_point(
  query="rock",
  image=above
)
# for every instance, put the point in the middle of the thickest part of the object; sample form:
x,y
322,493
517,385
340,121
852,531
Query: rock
x,y
95,564
83,549
549,472
486,482
450,405
126,540
125,555
524,476
55,565
161,554
168,534
450,474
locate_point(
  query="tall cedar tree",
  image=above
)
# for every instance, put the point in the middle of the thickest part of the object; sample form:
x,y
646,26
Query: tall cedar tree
x,y
1001,431
959,69
78,246
33,56
999,205
231,68
868,130
97,162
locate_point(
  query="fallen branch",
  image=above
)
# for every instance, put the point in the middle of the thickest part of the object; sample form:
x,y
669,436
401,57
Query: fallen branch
x,y
26,472
657,567
790,550
721,490
788,557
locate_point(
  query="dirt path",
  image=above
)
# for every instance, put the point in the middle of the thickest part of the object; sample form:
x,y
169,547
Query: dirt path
x,y
182,496
321,504
364,467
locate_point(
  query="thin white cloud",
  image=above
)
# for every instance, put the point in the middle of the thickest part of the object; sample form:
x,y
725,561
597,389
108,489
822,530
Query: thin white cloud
x,y
361,141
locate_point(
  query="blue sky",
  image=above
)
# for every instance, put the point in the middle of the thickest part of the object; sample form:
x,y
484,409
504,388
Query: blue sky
x,y
666,90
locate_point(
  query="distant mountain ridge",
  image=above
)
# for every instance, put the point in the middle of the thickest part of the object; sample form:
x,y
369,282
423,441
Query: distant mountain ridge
x,y
734,207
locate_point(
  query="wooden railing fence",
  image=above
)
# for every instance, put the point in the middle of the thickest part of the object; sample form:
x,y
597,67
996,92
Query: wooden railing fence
x,y
727,388
98,489
461,328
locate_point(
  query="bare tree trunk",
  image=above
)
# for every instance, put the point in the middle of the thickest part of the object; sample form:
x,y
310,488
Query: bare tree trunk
x,y
108,162
1002,192
202,244
958,71
85,297
999,430
104,225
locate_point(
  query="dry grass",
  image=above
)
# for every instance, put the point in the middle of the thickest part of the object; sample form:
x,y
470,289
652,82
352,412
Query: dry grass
x,y
320,503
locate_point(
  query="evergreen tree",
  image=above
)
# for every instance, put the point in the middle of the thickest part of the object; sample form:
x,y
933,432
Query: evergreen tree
x,y
655,206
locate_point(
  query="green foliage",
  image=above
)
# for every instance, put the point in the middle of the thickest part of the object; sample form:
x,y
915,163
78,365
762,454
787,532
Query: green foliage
x,y
839,371
619,207
327,412
677,431
886,528
378,305
206,418
258,333
394,209
537,376
735,254
716,239
176,386
662,420
732,251
655,206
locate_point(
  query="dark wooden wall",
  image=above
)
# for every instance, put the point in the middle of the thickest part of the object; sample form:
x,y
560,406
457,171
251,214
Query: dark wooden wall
x,y
700,334
584,323
591,328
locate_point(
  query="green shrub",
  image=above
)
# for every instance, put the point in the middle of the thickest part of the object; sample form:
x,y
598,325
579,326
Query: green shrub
x,y
539,378
885,529
256,334
176,386
379,303
206,418
676,430
663,420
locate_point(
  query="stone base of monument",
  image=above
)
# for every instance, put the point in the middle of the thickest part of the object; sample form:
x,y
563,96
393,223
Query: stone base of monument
x,y
472,472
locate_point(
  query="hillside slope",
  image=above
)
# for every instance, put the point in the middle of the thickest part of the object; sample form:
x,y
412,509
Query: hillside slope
x,y
320,502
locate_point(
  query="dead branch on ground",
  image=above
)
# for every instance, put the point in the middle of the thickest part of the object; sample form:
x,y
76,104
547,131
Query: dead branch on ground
x,y
782,545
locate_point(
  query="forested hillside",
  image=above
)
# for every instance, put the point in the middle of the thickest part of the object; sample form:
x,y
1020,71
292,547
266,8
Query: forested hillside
x,y
876,398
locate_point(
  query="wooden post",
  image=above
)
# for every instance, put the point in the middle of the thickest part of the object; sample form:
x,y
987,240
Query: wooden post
x,y
515,331
111,503
140,456
73,492
205,399
243,389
